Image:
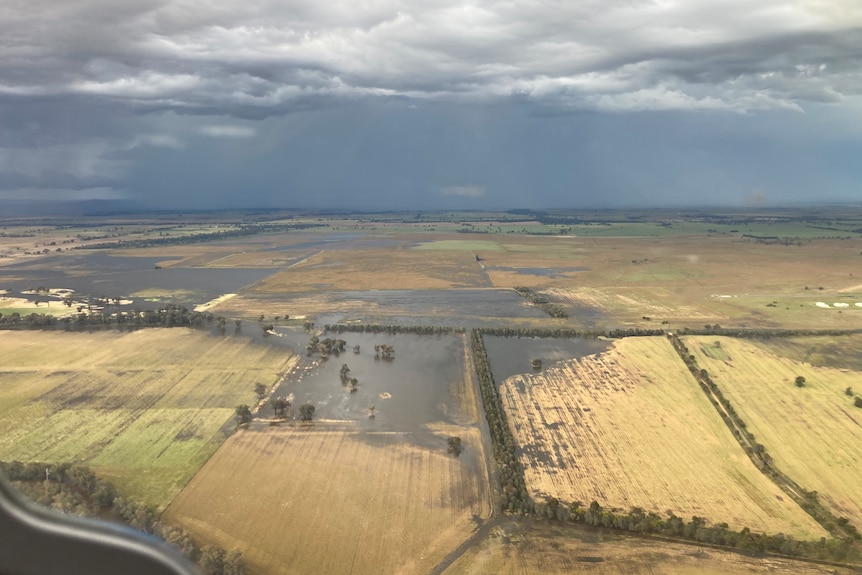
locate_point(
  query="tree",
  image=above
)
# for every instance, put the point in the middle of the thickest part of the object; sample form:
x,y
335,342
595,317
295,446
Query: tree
x,y
243,414
455,446
536,363
280,405
858,402
260,390
354,383
233,564
371,410
800,381
306,412
848,392
212,560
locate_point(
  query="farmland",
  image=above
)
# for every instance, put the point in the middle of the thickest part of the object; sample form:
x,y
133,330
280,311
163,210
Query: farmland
x,y
611,428
345,488
333,500
524,547
813,432
627,428
144,409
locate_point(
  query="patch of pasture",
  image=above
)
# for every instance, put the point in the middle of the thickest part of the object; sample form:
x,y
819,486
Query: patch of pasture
x,y
145,408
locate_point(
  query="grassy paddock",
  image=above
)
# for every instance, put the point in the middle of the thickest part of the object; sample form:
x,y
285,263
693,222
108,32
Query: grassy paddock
x,y
814,433
145,409
630,428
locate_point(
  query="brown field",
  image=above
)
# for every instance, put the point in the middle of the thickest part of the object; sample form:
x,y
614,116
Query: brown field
x,y
379,269
333,500
531,548
630,427
813,433
144,409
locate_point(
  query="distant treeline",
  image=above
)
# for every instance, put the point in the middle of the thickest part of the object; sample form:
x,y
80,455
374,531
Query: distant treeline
x,y
516,498
75,489
391,329
170,315
241,231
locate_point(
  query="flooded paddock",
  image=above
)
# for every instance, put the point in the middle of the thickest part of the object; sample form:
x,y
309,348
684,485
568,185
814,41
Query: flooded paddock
x,y
416,388
513,355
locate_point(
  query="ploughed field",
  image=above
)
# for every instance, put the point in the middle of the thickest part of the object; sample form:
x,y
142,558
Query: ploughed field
x,y
144,409
631,428
348,493
813,432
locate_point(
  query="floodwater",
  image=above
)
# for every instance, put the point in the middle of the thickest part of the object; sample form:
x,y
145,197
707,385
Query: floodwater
x,y
545,272
98,274
436,307
512,355
408,392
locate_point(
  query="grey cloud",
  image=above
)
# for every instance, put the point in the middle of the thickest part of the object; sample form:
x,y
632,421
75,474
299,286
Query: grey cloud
x,y
270,56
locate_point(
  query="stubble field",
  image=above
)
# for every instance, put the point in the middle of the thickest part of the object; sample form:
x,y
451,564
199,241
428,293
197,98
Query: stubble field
x,y
327,499
630,427
143,409
814,432
531,548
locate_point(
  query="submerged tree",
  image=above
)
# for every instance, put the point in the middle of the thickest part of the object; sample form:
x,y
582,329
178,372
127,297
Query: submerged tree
x,y
454,445
306,412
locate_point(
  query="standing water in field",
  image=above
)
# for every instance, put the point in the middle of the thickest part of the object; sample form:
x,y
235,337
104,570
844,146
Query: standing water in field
x,y
408,391
513,355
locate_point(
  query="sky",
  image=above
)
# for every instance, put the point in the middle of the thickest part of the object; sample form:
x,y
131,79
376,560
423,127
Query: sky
x,y
431,104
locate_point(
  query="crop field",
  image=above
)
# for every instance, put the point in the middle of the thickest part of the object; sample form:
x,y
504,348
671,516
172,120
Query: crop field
x,y
336,501
630,427
351,493
531,548
144,409
380,269
813,432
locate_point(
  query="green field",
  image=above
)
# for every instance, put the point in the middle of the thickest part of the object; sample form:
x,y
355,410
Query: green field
x,y
144,409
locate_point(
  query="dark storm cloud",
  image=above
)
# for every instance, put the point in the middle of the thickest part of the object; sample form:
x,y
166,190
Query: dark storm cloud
x,y
618,55
93,91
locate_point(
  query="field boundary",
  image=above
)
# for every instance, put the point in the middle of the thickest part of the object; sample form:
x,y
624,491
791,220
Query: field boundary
x,y
516,499
807,500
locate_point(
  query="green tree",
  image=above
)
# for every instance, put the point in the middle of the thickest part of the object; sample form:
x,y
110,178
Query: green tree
x,y
800,381
858,402
243,414
454,445
848,392
260,390
306,412
212,560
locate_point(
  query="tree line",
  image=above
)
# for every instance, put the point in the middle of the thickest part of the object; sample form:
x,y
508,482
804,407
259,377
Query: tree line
x,y
392,329
170,315
516,498
839,527
75,489
242,231
542,302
